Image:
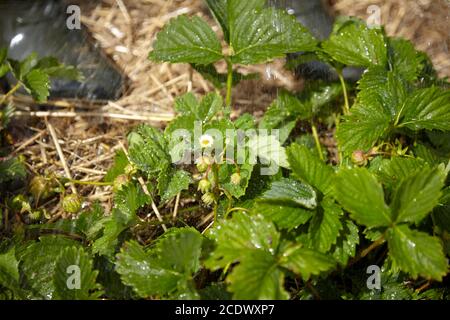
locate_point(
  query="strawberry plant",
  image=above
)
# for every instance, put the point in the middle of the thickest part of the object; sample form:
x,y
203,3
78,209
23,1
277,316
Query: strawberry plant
x,y
268,211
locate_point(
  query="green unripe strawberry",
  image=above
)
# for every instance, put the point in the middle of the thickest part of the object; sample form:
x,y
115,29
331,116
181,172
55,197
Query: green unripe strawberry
x,y
40,187
130,170
208,198
72,203
204,185
235,179
203,164
359,158
120,181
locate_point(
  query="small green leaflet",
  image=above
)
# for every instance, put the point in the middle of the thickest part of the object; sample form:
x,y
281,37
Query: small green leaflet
x,y
12,169
404,58
259,35
9,270
286,203
288,191
148,149
257,277
310,169
172,181
240,235
188,40
118,168
305,262
4,66
37,83
359,192
39,263
417,195
268,149
362,128
283,114
75,268
325,226
55,69
391,172
354,44
129,199
386,88
165,270
417,253
254,243
345,247
427,108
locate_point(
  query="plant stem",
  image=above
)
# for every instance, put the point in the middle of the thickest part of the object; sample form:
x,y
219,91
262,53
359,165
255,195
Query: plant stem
x,y
344,89
215,172
316,139
10,92
374,245
91,183
229,82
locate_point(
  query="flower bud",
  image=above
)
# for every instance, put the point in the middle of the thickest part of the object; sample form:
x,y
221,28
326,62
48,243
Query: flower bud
x,y
204,185
119,182
130,170
40,187
235,178
359,158
72,203
203,163
35,215
208,198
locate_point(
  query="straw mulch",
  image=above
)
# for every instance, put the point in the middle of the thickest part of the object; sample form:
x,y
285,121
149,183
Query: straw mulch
x,y
80,140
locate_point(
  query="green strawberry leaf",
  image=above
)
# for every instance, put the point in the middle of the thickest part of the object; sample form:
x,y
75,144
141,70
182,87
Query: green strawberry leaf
x,y
345,247
188,40
9,270
404,58
55,69
148,149
257,277
167,269
37,83
291,192
263,34
354,44
325,226
71,263
237,237
417,195
309,168
286,203
129,199
417,253
305,262
359,192
363,128
38,263
171,182
427,108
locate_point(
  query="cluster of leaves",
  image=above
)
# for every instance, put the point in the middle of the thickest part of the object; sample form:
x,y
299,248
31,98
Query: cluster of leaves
x,y
32,74
308,230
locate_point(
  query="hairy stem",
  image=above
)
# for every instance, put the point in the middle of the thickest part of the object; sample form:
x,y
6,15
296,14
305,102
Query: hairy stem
x,y
91,183
316,139
344,89
229,82
10,92
215,172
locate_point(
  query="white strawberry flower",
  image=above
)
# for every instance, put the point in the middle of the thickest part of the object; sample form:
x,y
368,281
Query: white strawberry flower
x,y
206,141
